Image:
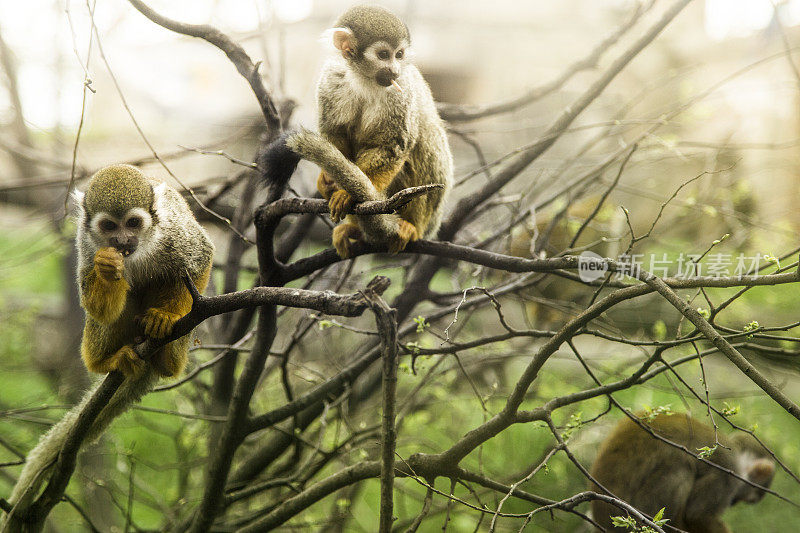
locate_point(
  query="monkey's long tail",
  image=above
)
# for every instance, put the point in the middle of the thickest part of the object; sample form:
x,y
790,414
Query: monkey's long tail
x,y
41,459
278,162
317,149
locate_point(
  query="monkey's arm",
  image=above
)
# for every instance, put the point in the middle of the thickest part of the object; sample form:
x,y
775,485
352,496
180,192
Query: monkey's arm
x,y
381,164
103,289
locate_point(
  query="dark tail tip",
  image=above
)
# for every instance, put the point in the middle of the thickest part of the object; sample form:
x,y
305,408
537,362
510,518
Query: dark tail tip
x,y
277,162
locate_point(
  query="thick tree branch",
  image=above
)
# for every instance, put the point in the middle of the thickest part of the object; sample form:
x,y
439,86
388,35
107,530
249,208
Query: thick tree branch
x,y
203,308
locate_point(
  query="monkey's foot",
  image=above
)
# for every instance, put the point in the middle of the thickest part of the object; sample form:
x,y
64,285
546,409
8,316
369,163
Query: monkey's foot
x,y
406,232
128,362
158,323
108,264
326,186
342,235
339,205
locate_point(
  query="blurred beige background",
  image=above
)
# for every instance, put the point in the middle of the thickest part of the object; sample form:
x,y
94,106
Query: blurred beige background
x,y
185,93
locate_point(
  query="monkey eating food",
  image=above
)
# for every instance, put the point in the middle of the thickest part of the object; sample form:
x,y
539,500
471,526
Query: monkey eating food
x,y
136,240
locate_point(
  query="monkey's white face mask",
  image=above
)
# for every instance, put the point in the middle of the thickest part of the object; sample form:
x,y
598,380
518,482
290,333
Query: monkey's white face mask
x,y
379,62
124,232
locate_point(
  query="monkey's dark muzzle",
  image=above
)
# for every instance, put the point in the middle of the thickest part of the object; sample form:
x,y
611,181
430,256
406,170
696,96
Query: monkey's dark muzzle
x,y
385,77
127,247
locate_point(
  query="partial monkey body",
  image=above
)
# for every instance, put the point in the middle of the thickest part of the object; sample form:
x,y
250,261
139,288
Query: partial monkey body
x,y
650,474
136,239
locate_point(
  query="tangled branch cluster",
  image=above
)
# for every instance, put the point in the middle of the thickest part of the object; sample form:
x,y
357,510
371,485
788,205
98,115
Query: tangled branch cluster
x,y
248,445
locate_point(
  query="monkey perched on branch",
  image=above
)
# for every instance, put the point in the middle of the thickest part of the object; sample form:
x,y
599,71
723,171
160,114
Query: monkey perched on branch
x,y
650,474
136,240
379,133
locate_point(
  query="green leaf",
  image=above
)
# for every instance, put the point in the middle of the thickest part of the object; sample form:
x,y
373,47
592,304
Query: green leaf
x,y
659,330
705,452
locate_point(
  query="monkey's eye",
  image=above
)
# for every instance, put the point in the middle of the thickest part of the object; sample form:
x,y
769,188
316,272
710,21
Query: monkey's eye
x,y
383,54
134,222
108,225
399,54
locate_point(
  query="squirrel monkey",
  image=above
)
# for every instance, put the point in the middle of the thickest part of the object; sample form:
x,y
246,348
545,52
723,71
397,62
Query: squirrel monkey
x,y
650,474
136,238
377,111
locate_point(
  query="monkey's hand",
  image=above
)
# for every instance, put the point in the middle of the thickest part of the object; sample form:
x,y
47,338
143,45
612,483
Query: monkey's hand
x,y
342,235
108,264
326,186
339,205
406,233
158,323
126,361
103,289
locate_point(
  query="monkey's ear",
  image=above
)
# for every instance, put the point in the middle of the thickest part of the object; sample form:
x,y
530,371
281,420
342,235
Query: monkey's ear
x,y
344,40
159,190
77,199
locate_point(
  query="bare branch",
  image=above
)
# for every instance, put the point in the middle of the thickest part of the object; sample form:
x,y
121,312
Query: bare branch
x,y
386,320
467,204
286,206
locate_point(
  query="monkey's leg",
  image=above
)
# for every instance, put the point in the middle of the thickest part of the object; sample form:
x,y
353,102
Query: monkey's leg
x,y
171,359
103,290
166,306
414,220
707,501
406,233
342,234
98,357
